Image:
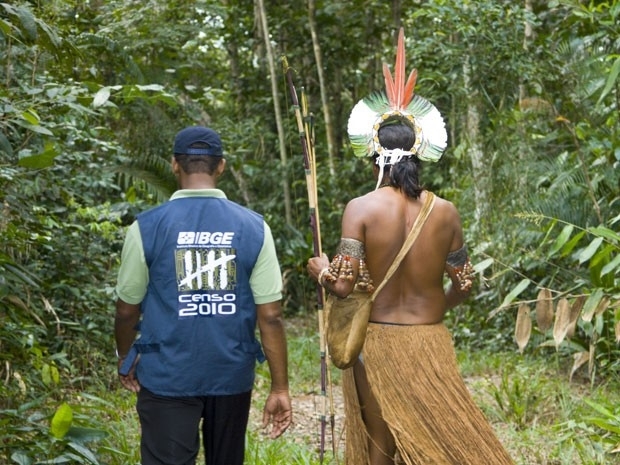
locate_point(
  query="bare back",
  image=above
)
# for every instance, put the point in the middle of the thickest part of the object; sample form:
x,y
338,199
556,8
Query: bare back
x,y
381,220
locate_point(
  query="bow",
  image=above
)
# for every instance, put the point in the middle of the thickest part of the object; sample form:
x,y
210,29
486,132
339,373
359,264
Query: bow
x,y
306,136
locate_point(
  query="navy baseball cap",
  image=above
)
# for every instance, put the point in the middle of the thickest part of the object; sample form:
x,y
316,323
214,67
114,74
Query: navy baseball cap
x,y
198,135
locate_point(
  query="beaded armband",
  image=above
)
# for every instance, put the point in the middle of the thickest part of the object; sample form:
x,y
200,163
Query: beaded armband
x,y
341,268
465,274
352,248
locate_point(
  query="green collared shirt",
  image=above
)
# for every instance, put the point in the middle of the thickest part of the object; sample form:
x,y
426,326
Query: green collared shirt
x,y
133,274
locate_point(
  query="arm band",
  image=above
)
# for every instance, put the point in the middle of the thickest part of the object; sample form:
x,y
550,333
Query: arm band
x,y
457,258
351,247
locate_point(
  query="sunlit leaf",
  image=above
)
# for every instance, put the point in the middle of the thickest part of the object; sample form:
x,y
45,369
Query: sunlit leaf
x,y
518,289
590,250
61,422
561,239
483,265
45,374
31,116
154,87
572,243
607,233
101,97
611,266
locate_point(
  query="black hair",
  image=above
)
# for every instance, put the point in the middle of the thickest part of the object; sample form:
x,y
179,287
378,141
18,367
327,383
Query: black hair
x,y
192,164
404,175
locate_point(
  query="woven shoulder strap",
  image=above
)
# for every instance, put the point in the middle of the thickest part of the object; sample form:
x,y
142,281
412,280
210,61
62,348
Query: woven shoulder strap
x,y
429,202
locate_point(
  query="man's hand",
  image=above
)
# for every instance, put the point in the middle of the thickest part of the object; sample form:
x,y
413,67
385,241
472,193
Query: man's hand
x,y
129,382
278,412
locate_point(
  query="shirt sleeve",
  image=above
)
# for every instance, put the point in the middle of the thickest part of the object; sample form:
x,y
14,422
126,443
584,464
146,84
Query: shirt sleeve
x,y
266,279
133,274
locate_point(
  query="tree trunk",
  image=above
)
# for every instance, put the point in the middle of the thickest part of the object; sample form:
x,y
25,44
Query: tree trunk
x,y
527,38
472,138
329,129
260,8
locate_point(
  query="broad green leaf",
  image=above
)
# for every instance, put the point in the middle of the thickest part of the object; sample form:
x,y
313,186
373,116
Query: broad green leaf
x,y
599,408
605,424
155,87
5,145
45,374
483,265
55,374
601,257
50,374
518,289
27,20
570,245
5,27
82,435
31,116
590,306
41,160
61,422
34,128
21,459
590,250
605,232
101,97
611,80
611,266
561,239
85,452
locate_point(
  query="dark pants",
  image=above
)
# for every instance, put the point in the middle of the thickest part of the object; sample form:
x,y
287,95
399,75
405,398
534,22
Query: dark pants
x,y
170,428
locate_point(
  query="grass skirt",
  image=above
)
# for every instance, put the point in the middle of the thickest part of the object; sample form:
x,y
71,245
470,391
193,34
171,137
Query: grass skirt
x,y
413,373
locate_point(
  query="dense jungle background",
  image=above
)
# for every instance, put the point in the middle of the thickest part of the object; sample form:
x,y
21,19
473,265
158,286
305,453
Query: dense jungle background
x,y
92,93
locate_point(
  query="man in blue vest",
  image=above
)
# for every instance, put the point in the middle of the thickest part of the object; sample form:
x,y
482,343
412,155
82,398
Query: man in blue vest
x,y
198,274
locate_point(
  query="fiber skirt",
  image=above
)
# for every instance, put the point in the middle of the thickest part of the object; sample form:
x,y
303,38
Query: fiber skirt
x,y
413,373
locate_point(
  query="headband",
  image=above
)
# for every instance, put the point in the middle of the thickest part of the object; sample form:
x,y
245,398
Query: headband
x,y
397,102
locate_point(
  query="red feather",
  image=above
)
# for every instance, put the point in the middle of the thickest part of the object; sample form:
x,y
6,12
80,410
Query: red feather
x,y
399,70
409,87
398,93
389,84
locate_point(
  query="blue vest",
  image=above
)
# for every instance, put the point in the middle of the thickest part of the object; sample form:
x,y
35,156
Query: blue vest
x,y
197,333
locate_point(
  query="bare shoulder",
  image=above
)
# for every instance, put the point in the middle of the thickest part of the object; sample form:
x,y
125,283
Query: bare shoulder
x,y
446,209
357,213
363,205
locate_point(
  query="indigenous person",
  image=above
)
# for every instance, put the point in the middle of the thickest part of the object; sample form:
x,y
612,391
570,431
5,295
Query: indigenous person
x,y
405,400
197,274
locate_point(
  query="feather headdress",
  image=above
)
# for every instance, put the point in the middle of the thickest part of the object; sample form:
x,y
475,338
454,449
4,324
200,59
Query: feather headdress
x,y
398,101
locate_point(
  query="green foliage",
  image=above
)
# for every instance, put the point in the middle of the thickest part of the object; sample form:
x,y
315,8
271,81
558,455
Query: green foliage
x,y
93,92
521,397
261,451
606,420
34,437
586,269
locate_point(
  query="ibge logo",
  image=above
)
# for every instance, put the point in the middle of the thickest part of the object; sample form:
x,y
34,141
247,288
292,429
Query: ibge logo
x,y
206,274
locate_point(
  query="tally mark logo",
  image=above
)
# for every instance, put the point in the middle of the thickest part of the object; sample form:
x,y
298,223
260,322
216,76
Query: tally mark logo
x,y
206,269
